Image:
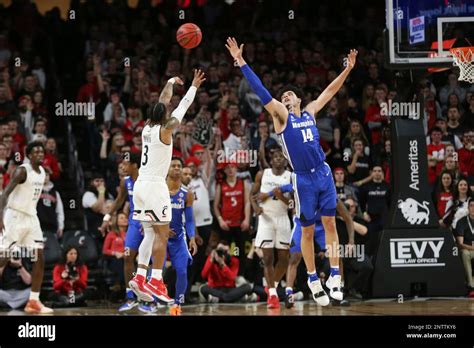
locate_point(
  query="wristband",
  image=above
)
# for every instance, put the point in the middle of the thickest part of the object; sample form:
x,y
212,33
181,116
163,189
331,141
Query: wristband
x,y
172,80
270,194
107,218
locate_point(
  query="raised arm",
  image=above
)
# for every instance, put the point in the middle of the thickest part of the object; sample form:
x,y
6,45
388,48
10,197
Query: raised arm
x,y
178,114
167,92
274,107
331,90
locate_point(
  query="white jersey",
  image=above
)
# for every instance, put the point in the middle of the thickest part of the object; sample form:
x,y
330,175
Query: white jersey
x,y
201,206
156,156
25,196
274,207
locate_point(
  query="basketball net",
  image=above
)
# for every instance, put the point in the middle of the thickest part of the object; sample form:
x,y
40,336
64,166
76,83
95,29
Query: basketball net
x,y
463,57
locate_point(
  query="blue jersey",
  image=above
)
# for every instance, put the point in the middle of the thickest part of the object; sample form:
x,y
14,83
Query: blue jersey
x,y
178,204
300,141
129,187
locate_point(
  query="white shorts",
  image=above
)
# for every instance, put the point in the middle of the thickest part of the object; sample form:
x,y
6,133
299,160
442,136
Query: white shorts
x,y
151,202
21,230
273,232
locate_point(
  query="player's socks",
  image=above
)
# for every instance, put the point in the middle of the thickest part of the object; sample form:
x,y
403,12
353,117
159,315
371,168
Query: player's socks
x,y
289,298
130,294
157,274
272,292
276,284
141,272
334,271
34,295
313,276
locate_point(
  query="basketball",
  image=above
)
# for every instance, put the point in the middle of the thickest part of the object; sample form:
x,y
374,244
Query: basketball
x,y
189,35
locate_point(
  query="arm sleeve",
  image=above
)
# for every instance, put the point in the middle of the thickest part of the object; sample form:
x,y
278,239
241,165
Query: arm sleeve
x,y
231,272
60,211
190,226
256,84
184,104
82,281
286,188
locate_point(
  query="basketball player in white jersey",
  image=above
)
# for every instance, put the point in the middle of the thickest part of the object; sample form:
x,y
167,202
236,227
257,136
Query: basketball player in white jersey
x,y
274,227
19,221
151,197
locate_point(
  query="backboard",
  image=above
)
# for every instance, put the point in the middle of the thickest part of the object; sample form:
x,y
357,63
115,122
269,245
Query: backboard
x,y
419,33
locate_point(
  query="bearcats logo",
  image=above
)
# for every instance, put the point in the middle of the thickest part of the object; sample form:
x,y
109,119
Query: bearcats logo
x,y
413,211
163,212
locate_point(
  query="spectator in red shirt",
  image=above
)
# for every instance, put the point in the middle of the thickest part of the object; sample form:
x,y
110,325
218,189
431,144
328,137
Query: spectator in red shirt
x,y
444,193
373,117
89,91
435,151
18,137
114,249
220,271
70,279
50,161
133,124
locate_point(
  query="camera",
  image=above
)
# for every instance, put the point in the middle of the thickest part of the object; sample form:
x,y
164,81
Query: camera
x,y
72,271
220,252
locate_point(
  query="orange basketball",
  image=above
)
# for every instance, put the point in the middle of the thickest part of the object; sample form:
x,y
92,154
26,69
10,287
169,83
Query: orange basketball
x,y
189,35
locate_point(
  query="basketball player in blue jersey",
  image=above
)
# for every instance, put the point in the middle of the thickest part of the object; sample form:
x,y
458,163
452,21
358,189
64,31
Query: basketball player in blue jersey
x,y
134,236
319,238
312,180
177,249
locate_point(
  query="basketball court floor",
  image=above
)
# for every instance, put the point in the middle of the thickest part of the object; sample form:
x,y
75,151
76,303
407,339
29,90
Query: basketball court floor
x,y
420,306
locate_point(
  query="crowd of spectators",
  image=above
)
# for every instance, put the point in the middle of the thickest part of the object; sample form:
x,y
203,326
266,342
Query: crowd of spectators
x,y
126,55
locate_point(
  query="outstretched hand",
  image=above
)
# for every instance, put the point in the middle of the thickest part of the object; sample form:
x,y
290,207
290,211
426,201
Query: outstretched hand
x,y
234,49
199,78
351,59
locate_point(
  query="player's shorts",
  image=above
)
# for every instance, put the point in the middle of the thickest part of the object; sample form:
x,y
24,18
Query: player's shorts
x,y
314,192
296,233
178,253
21,230
151,201
134,235
273,232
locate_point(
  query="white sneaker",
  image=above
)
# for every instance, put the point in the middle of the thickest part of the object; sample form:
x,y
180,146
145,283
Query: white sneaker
x,y
334,285
319,295
298,296
212,299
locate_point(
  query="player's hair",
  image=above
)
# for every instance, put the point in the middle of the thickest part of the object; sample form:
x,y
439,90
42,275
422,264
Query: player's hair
x,y
32,145
297,91
175,158
132,157
157,112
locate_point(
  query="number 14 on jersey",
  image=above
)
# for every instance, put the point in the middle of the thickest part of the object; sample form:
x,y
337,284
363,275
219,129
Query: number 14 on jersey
x,y
307,135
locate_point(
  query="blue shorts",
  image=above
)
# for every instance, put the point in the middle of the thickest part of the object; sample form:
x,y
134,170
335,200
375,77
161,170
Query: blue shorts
x,y
134,235
319,236
314,193
178,253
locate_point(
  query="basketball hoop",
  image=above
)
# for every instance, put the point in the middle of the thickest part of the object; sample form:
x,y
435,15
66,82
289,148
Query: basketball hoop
x,y
464,58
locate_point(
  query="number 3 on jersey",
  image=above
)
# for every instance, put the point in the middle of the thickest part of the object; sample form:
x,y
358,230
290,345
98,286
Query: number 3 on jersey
x,y
145,155
307,135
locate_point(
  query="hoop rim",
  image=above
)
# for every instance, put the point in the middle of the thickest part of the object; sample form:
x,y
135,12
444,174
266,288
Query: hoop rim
x,y
462,53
